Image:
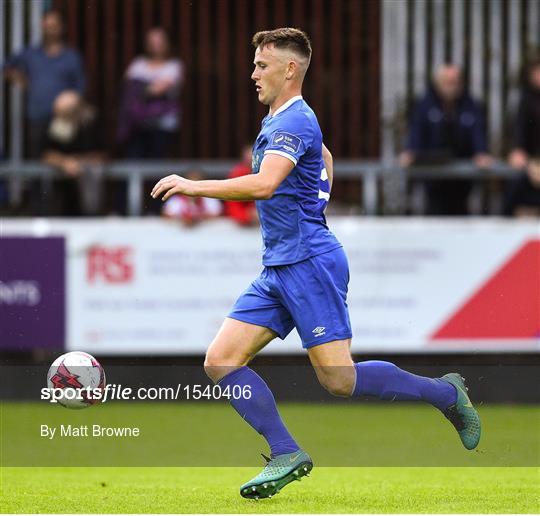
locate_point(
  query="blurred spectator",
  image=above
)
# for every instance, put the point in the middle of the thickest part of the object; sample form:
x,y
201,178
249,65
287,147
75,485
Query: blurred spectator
x,y
523,195
46,70
4,194
150,112
191,210
446,124
71,146
242,212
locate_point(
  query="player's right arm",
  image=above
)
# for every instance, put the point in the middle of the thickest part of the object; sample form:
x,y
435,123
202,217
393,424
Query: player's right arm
x,y
328,164
274,169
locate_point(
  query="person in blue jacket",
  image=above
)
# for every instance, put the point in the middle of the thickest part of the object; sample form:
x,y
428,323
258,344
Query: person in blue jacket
x,y
46,70
446,124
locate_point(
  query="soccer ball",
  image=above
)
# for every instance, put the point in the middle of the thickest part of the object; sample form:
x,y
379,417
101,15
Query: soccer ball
x,y
76,380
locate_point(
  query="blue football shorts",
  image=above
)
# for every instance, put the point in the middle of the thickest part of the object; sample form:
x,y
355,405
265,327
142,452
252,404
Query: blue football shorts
x,y
310,295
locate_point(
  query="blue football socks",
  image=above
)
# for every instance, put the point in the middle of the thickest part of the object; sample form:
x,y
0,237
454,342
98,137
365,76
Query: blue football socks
x,y
386,381
259,409
383,380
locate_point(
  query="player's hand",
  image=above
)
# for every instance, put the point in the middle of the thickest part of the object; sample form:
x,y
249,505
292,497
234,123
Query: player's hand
x,y
172,185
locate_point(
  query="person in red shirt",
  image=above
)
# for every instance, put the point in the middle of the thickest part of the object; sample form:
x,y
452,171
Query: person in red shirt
x,y
191,210
243,213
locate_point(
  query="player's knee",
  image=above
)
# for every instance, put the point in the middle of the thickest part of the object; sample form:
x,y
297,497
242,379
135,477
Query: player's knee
x,y
337,386
216,366
213,367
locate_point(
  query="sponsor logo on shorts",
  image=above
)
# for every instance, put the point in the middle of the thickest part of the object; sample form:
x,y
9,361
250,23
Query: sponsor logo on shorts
x,y
319,331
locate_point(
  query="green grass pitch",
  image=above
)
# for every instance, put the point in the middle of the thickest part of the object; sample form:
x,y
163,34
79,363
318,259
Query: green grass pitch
x,y
215,490
192,458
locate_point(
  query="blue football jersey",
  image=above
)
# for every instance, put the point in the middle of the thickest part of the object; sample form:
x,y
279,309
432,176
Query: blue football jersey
x,y
293,224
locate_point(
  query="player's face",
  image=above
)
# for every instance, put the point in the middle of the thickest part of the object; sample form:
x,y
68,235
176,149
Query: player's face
x,y
269,74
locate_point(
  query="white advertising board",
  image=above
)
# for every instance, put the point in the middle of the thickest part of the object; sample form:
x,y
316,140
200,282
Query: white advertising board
x,y
147,286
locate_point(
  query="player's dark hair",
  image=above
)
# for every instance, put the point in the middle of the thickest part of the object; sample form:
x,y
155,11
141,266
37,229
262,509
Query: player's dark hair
x,y
286,37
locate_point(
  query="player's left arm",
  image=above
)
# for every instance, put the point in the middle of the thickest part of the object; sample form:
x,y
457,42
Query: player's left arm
x,y
328,164
274,169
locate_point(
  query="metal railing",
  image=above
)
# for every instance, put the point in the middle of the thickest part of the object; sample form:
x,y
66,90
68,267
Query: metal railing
x,y
370,173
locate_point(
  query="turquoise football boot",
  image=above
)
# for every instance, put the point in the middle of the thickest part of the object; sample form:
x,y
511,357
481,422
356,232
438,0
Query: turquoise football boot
x,y
462,414
277,473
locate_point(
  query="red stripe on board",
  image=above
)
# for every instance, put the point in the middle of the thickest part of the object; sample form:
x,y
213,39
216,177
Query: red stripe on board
x,y
507,306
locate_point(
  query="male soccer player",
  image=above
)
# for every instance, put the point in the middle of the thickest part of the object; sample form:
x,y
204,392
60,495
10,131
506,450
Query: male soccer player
x,y
305,276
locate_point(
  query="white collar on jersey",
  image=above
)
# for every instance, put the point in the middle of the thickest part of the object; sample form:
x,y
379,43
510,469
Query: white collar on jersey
x,y
283,107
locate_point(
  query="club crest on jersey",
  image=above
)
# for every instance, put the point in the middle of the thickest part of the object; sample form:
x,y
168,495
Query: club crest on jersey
x,y
288,142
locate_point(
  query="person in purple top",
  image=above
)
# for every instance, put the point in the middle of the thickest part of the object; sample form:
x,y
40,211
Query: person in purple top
x,y
46,70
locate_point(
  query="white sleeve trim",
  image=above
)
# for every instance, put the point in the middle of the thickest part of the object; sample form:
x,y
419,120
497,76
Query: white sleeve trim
x,y
324,195
324,175
281,153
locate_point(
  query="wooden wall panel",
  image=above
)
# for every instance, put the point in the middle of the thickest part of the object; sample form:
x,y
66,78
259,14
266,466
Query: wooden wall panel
x,y
242,69
336,119
111,68
213,39
94,59
184,33
493,39
205,116
223,66
372,78
355,83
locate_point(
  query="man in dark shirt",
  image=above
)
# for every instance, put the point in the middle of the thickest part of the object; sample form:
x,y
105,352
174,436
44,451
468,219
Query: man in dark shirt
x,y
523,194
446,124
46,70
71,146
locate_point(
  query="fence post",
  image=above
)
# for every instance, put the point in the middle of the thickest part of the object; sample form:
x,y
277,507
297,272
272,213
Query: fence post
x,y
16,105
393,87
